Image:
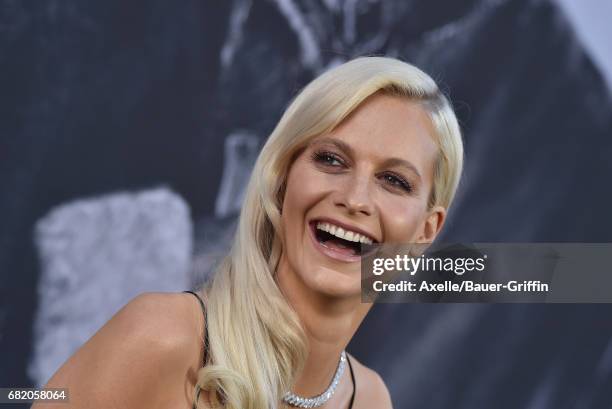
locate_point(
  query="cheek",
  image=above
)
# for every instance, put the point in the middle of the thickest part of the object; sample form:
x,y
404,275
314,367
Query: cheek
x,y
402,220
302,192
304,186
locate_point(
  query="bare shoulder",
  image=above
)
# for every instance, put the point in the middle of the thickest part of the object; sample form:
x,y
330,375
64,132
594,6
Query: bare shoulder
x,y
170,319
144,356
371,389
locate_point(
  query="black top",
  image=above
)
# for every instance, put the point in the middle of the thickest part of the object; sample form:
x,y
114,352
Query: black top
x,y
206,349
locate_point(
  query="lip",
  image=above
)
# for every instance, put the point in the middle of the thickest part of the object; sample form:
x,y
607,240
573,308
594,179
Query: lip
x,y
344,226
330,252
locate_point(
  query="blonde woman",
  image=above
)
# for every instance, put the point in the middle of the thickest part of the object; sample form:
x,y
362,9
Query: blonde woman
x,y
370,151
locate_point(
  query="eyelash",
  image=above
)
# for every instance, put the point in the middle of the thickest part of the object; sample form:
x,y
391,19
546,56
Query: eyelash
x,y
323,157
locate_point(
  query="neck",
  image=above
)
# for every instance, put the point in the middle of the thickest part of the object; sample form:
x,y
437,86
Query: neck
x,y
329,322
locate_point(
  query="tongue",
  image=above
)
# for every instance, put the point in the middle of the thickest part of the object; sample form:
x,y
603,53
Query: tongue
x,y
341,246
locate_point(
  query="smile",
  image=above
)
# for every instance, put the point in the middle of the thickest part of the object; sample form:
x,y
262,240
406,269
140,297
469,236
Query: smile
x,y
338,242
346,235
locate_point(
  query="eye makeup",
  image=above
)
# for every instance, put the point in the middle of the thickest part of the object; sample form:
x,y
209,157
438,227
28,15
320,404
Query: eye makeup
x,y
392,180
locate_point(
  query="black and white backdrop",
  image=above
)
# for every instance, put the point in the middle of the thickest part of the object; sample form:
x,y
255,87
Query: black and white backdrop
x,y
128,131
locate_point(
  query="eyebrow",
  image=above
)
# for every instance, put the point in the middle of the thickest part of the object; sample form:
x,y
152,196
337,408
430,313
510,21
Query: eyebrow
x,y
351,152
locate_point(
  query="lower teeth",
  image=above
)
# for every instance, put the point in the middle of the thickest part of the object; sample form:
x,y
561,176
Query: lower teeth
x,y
342,246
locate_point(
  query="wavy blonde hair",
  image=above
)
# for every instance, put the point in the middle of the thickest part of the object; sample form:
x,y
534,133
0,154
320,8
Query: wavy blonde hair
x,y
257,344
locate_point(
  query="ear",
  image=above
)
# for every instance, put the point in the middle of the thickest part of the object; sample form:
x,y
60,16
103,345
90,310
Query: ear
x,y
432,224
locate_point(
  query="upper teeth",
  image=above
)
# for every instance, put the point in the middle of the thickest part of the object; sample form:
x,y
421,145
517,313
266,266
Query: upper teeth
x,y
343,234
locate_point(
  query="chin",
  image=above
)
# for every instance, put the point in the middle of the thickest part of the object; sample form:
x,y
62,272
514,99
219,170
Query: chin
x,y
334,283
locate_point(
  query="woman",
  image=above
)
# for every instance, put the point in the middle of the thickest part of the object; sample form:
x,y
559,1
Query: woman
x,y
370,151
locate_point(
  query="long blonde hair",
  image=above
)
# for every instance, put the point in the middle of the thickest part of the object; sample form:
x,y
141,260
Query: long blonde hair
x,y
257,344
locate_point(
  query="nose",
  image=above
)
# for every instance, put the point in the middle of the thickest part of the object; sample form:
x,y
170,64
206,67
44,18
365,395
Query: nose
x,y
355,197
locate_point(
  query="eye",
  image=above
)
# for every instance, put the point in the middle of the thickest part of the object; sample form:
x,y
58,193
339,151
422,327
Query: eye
x,y
397,181
327,158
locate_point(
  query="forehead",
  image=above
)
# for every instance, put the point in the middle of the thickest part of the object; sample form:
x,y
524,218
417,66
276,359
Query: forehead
x,y
387,126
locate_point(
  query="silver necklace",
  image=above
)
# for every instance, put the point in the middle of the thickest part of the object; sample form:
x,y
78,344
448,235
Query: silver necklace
x,y
300,402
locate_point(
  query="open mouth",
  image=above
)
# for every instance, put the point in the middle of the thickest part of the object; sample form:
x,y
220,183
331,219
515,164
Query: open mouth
x,y
338,244
341,245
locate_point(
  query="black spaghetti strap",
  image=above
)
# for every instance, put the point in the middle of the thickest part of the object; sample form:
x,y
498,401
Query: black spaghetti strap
x,y
205,335
198,390
353,379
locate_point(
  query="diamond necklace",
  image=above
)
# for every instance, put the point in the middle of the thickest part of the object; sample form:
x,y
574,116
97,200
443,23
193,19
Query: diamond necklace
x,y
295,400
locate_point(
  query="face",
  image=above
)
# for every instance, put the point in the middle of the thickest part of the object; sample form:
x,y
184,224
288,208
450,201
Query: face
x,y
372,175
